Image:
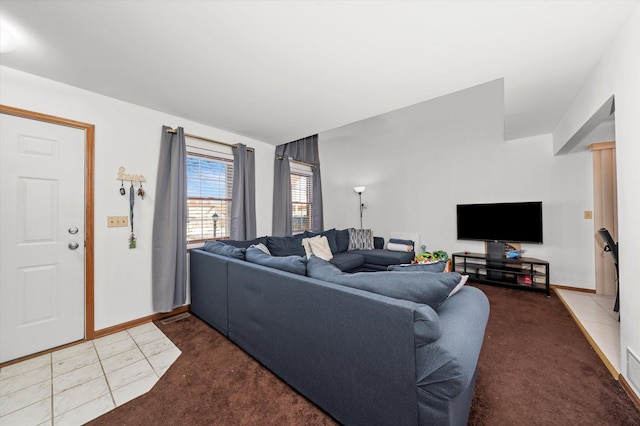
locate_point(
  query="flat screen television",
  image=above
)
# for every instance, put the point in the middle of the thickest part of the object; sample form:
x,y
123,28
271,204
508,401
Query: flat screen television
x,y
504,222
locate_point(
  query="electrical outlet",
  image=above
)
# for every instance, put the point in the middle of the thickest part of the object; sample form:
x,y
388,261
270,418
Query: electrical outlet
x,y
588,214
117,221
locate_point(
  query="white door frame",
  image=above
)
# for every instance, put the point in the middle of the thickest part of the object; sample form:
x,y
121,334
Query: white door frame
x,y
89,132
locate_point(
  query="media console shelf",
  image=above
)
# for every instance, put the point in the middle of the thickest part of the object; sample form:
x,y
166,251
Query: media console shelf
x,y
524,272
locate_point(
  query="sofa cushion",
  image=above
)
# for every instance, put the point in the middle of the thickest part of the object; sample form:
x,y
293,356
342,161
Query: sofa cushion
x,y
342,240
223,249
245,243
360,239
428,288
426,323
331,238
419,267
286,246
385,257
294,264
347,261
322,270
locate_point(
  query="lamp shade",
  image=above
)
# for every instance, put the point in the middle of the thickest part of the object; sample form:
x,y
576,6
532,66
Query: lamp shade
x,y
359,189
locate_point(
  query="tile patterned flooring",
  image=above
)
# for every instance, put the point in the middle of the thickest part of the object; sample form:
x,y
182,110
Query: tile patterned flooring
x,y
74,385
595,316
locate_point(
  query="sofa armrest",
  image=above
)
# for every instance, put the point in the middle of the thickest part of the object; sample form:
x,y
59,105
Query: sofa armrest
x,y
447,366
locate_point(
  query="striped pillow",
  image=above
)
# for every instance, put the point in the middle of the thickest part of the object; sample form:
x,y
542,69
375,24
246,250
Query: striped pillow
x,y
360,239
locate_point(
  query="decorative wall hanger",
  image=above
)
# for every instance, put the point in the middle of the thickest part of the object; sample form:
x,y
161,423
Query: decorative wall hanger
x,y
122,176
133,179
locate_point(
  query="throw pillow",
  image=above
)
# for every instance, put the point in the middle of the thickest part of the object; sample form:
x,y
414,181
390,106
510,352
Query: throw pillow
x,y
286,246
294,264
360,239
419,267
401,241
307,246
223,249
245,243
331,235
262,247
458,286
424,287
399,247
318,245
342,240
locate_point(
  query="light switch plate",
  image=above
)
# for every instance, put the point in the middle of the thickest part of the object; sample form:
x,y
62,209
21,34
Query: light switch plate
x,y
117,221
588,214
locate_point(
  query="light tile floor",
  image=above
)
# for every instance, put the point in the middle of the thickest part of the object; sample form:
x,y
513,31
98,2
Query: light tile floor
x,y
79,383
596,317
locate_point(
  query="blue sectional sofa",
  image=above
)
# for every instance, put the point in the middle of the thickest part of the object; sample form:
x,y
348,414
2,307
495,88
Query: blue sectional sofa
x,y
377,259
364,357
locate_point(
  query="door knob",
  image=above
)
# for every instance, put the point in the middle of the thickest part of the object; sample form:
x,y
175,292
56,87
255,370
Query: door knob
x,y
73,245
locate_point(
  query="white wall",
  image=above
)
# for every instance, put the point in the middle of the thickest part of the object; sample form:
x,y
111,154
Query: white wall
x,y
618,74
420,161
126,135
604,132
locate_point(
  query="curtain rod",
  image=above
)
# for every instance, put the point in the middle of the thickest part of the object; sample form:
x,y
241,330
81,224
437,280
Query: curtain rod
x,y
291,160
208,140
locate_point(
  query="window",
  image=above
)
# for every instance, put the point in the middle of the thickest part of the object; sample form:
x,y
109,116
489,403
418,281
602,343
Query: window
x,y
209,189
301,197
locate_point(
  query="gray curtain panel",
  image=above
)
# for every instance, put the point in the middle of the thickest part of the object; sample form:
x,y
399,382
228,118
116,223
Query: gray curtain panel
x,y
169,253
306,151
281,223
317,217
243,199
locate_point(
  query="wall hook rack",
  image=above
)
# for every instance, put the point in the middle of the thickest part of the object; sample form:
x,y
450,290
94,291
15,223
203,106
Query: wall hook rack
x,y
123,175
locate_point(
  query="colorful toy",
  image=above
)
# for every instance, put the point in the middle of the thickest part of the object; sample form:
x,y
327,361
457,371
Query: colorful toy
x,y
436,256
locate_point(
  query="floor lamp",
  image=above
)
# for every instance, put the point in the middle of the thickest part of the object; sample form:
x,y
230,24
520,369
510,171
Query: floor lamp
x,y
360,190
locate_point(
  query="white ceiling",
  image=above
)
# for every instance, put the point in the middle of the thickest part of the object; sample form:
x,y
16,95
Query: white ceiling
x,y
277,71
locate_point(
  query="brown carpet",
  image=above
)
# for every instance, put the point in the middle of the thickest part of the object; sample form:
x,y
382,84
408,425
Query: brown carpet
x,y
535,368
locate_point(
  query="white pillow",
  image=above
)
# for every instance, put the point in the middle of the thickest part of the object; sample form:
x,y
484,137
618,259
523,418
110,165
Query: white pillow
x,y
319,246
307,246
399,247
457,288
262,247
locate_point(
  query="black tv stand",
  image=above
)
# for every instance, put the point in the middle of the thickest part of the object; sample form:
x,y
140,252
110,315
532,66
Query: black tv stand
x,y
524,272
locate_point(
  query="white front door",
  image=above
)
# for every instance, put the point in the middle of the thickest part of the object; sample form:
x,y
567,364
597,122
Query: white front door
x,y
42,236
